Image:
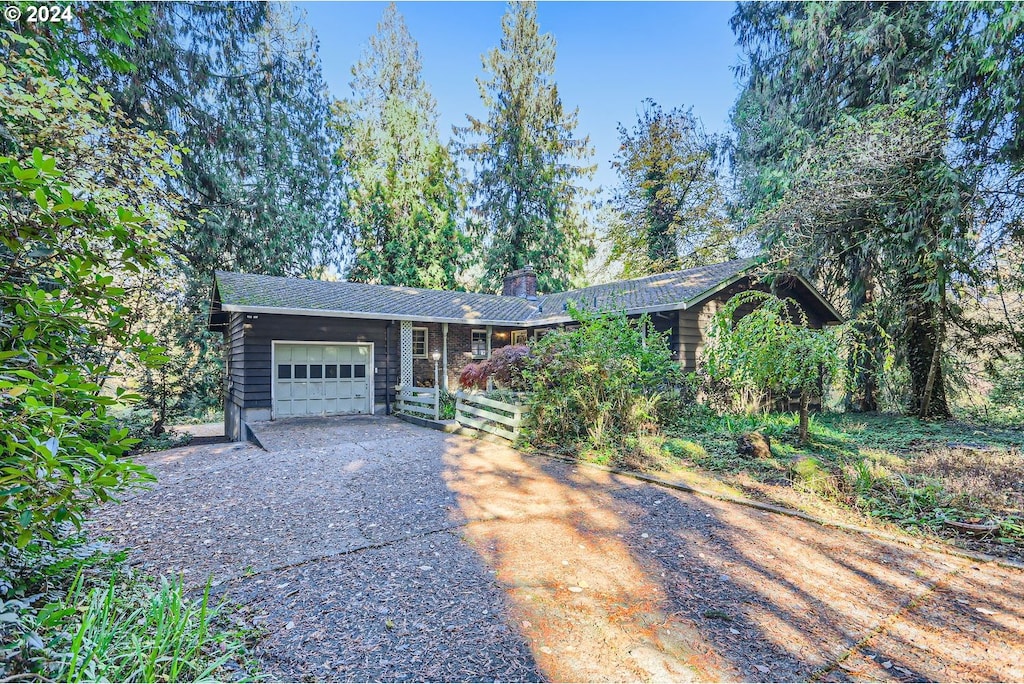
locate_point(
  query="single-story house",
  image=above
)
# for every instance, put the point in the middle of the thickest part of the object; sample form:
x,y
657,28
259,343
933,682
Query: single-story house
x,y
299,347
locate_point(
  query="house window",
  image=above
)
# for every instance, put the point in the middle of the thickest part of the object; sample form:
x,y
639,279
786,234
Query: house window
x,y
518,337
419,343
478,344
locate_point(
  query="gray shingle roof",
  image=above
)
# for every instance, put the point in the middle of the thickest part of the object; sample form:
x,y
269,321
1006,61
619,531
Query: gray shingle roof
x,y
245,292
664,290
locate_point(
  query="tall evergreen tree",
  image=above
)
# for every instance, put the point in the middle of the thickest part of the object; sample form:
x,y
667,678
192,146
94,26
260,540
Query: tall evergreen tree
x,y
403,202
239,86
810,65
669,207
529,165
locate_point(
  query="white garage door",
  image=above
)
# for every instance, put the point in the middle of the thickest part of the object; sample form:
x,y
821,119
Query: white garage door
x,y
322,379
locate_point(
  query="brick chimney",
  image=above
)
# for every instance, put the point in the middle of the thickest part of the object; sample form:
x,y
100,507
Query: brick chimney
x,y
521,283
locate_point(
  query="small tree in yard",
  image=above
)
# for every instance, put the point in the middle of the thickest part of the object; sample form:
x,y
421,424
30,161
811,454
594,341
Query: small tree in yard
x,y
505,367
772,349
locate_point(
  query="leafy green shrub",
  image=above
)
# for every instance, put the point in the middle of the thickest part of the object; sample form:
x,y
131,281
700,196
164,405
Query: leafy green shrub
x,y
1004,404
60,448
447,405
595,385
79,250
141,428
809,474
643,451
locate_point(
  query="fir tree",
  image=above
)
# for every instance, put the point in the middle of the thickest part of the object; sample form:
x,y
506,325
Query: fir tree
x,y
402,198
531,201
239,87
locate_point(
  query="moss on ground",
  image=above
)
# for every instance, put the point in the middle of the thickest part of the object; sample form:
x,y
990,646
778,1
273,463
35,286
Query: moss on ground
x,y
919,475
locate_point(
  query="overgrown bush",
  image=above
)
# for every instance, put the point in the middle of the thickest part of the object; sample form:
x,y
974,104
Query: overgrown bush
x,y
62,325
145,429
683,448
447,405
773,350
1005,401
597,385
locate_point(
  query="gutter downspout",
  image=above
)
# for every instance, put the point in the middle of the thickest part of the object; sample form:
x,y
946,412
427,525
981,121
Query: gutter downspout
x,y
444,355
387,368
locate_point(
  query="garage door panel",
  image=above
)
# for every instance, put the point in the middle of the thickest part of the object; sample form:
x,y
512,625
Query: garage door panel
x,y
321,379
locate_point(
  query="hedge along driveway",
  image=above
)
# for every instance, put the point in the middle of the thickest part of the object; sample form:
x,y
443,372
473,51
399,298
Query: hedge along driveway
x,y
371,549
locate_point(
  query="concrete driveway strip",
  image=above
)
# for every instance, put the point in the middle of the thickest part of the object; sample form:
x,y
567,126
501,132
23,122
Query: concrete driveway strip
x,y
369,549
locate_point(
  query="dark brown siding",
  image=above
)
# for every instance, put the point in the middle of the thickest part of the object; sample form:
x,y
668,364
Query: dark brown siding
x,y
693,322
235,359
261,330
667,324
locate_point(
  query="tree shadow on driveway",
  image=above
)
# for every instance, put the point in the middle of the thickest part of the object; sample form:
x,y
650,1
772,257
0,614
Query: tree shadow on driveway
x,y
373,550
343,548
614,579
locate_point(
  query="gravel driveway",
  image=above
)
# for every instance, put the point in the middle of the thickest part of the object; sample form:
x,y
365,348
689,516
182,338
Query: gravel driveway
x,y
370,549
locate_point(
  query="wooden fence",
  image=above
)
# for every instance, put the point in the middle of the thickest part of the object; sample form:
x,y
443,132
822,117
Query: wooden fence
x,y
421,402
490,415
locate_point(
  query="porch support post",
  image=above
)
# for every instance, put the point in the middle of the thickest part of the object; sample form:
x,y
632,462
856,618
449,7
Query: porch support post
x,y
444,355
405,355
490,330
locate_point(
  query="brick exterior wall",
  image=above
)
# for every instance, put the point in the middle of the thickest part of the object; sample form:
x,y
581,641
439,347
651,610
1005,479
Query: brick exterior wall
x,y
520,283
460,352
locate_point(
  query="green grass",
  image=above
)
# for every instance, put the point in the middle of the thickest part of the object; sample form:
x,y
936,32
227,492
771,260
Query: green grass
x,y
917,474
71,614
130,631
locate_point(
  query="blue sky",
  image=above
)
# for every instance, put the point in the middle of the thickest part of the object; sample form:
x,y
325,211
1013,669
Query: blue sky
x,y
610,56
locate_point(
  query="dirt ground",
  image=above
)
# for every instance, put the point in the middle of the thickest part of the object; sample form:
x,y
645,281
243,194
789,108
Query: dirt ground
x,y
369,549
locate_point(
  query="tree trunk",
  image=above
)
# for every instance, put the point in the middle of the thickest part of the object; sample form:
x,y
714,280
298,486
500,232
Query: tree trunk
x,y
936,364
923,347
805,401
863,365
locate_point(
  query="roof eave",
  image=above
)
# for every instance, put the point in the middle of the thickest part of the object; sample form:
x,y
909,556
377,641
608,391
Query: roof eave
x,y
376,316
828,305
503,322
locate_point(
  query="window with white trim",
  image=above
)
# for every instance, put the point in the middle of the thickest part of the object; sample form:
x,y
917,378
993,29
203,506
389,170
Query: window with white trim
x,y
478,344
419,343
518,337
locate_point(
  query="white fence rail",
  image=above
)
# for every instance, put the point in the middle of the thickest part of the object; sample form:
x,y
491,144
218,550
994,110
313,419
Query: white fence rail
x,y
490,415
418,401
